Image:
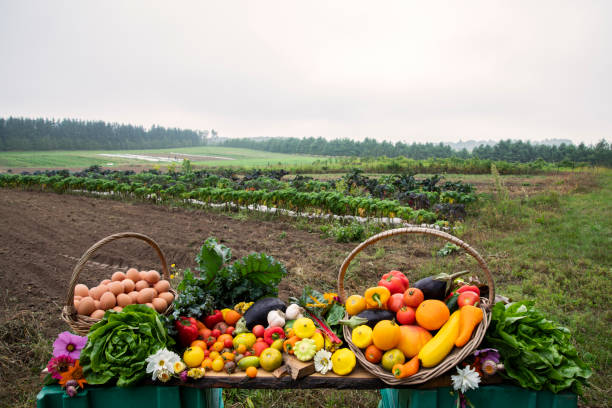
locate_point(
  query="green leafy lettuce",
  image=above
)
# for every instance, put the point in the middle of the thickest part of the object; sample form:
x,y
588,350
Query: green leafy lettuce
x,y
118,345
535,351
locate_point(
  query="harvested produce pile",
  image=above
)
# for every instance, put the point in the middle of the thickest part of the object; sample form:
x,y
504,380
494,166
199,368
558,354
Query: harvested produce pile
x,y
227,318
403,196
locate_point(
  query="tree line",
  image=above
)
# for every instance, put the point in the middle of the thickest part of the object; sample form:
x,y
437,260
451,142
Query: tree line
x,y
70,134
507,150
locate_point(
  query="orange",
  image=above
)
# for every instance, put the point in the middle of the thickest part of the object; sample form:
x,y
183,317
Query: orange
x,y
251,372
373,354
386,335
432,314
198,343
241,349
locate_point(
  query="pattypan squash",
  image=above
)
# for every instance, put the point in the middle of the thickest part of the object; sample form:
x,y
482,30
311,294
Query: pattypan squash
x,y
305,349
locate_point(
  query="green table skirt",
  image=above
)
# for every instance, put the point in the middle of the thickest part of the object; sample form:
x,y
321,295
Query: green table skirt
x,y
490,396
54,396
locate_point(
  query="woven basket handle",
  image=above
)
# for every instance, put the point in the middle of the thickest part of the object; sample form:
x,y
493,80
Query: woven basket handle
x,y
92,250
414,230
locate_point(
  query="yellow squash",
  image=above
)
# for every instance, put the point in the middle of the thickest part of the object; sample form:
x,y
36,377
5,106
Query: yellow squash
x,y
441,344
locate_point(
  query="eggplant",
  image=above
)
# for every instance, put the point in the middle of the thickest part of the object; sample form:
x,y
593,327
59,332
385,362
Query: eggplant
x,y
376,315
437,286
258,312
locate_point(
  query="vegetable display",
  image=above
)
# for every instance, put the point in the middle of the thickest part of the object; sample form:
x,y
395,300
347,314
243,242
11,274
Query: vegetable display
x,y
536,352
118,345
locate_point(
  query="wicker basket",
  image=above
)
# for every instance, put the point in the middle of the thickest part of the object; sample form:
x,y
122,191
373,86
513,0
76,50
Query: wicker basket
x,y
458,353
79,323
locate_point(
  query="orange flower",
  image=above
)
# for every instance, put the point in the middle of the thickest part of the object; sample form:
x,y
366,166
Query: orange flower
x,y
74,373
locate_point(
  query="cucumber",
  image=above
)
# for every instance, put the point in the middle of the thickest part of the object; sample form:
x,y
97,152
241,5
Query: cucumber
x,y
246,362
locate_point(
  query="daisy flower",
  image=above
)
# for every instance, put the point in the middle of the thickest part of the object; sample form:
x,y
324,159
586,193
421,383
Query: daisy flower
x,y
160,362
68,344
74,373
466,379
322,361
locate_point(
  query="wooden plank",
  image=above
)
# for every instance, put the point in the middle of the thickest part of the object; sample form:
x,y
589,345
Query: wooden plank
x,y
299,369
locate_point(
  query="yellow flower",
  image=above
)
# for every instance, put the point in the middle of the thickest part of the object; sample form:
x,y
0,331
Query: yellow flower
x,y
172,266
172,276
196,373
179,366
330,297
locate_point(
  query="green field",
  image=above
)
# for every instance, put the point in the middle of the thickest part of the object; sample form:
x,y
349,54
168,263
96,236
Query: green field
x,y
221,156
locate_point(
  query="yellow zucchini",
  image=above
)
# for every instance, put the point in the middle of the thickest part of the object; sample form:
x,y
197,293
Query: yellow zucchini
x,y
441,344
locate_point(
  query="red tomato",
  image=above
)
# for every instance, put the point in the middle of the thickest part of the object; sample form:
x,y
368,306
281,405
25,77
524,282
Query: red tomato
x,y
230,330
468,298
210,341
395,302
406,315
228,343
413,297
215,333
258,330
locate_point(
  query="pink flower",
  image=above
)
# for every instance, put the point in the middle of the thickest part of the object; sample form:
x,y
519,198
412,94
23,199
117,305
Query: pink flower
x,y
68,344
58,365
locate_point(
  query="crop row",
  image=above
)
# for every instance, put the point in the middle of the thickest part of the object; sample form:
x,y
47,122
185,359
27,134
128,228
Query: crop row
x,y
331,202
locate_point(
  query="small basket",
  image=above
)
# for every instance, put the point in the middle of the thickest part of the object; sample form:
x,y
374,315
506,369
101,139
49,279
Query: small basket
x,y
458,353
80,324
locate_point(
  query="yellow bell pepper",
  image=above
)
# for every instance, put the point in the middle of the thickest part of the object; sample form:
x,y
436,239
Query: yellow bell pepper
x,y
377,297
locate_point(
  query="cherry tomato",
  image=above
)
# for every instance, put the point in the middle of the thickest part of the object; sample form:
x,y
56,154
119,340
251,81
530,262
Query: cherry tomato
x,y
215,333
258,330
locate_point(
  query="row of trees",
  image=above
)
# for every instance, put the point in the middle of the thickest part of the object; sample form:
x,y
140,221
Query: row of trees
x,y
48,134
507,150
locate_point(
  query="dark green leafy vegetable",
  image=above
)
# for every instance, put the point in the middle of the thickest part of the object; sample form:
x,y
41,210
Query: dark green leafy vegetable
x,y
220,285
535,351
118,345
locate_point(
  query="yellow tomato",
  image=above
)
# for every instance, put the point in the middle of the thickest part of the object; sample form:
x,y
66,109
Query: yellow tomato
x,y
217,364
193,356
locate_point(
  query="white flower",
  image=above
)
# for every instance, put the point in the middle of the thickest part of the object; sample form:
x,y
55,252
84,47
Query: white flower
x,y
322,361
163,375
161,361
179,366
466,379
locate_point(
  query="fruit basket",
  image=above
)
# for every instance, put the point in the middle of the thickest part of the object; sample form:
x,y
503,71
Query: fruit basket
x,y
81,323
458,354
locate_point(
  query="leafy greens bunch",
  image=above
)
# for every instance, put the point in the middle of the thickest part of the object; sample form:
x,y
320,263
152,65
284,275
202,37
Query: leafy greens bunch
x,y
535,351
220,285
118,345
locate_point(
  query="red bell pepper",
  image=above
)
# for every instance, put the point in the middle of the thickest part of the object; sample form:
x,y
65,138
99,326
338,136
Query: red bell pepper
x,y
395,281
273,333
213,319
466,288
187,330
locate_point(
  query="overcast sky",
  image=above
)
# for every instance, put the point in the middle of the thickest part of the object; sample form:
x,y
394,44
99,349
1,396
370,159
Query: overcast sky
x,y
410,71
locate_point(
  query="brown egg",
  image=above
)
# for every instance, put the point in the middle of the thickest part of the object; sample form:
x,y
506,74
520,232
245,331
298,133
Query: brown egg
x,y
133,274
146,296
154,292
162,286
159,304
150,305
97,304
117,308
152,277
167,296
115,287
128,285
76,303
98,314
108,301
78,297
105,282
81,290
98,291
123,300
133,296
86,306
143,274
118,276
141,284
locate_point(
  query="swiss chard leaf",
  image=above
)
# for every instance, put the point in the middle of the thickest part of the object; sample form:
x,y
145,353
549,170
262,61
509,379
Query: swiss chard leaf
x,y
211,258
